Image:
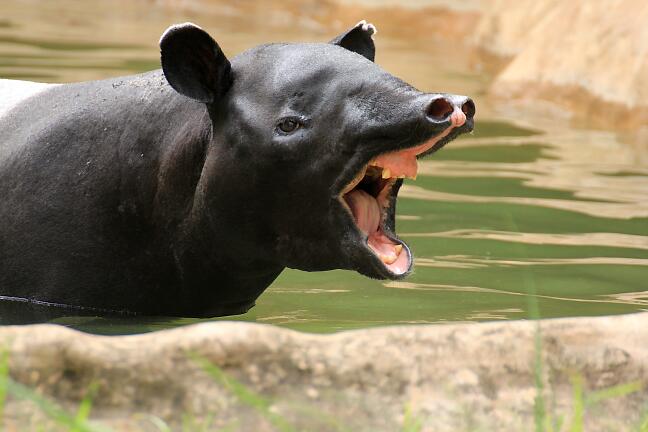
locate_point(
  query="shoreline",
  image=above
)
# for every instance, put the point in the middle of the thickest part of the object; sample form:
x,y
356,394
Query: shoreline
x,y
449,377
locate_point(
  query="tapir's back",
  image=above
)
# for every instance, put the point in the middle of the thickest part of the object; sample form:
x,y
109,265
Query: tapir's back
x,y
79,171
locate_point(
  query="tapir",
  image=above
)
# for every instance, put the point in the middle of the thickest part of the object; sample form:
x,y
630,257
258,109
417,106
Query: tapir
x,y
186,191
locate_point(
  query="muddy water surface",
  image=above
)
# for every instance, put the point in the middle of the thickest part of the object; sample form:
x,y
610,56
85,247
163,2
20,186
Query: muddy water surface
x,y
527,214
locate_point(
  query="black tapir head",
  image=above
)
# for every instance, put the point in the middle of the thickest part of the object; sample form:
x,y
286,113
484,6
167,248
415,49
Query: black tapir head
x,y
310,144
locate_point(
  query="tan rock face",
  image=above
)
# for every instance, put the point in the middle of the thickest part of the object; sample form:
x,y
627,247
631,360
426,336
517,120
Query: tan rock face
x,y
447,377
589,55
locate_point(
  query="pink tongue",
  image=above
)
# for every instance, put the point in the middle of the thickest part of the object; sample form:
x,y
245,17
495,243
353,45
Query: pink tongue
x,y
365,210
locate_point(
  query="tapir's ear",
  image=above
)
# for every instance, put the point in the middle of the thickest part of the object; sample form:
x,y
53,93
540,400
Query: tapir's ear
x,y
359,39
193,63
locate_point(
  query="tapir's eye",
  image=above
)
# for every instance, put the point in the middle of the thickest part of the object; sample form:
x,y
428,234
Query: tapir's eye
x,y
289,125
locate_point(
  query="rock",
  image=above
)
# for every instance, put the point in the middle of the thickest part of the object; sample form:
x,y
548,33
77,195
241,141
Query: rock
x,y
591,57
448,377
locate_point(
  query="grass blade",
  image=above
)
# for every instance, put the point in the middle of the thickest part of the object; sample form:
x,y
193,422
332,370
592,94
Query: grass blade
x,y
58,414
579,404
83,413
243,394
4,377
613,392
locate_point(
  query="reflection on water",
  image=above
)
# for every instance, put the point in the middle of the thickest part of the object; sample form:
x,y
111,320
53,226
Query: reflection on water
x,y
525,209
589,239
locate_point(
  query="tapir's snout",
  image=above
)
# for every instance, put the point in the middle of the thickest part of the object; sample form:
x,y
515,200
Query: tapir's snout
x,y
428,122
454,108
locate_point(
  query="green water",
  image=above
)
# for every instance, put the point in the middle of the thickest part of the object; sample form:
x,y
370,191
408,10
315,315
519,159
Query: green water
x,y
526,208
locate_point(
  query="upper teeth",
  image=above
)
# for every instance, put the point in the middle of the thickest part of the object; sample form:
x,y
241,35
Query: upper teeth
x,y
374,169
391,172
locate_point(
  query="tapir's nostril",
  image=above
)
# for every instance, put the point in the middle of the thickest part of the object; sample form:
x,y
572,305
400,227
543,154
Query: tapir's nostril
x,y
440,109
468,108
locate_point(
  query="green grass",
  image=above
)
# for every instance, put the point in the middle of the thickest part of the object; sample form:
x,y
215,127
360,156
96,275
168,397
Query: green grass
x,y
244,395
412,422
581,402
4,376
76,423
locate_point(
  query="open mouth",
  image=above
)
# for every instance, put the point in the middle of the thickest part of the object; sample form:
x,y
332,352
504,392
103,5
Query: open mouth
x,y
371,199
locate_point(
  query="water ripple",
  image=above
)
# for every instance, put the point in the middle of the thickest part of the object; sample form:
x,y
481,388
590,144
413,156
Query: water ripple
x,y
582,239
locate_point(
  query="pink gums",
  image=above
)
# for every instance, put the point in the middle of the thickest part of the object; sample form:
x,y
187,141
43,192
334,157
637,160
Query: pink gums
x,y
367,210
403,162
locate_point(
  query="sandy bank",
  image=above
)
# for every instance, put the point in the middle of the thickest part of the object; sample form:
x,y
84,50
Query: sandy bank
x,y
451,377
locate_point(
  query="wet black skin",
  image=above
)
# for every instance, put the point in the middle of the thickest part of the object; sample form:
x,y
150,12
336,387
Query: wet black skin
x,y
186,191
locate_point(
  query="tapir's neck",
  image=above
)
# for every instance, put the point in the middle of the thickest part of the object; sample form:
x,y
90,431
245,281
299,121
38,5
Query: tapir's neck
x,y
215,242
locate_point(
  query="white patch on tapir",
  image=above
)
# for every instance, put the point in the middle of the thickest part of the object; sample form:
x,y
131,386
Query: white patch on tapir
x,y
177,26
368,27
14,92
